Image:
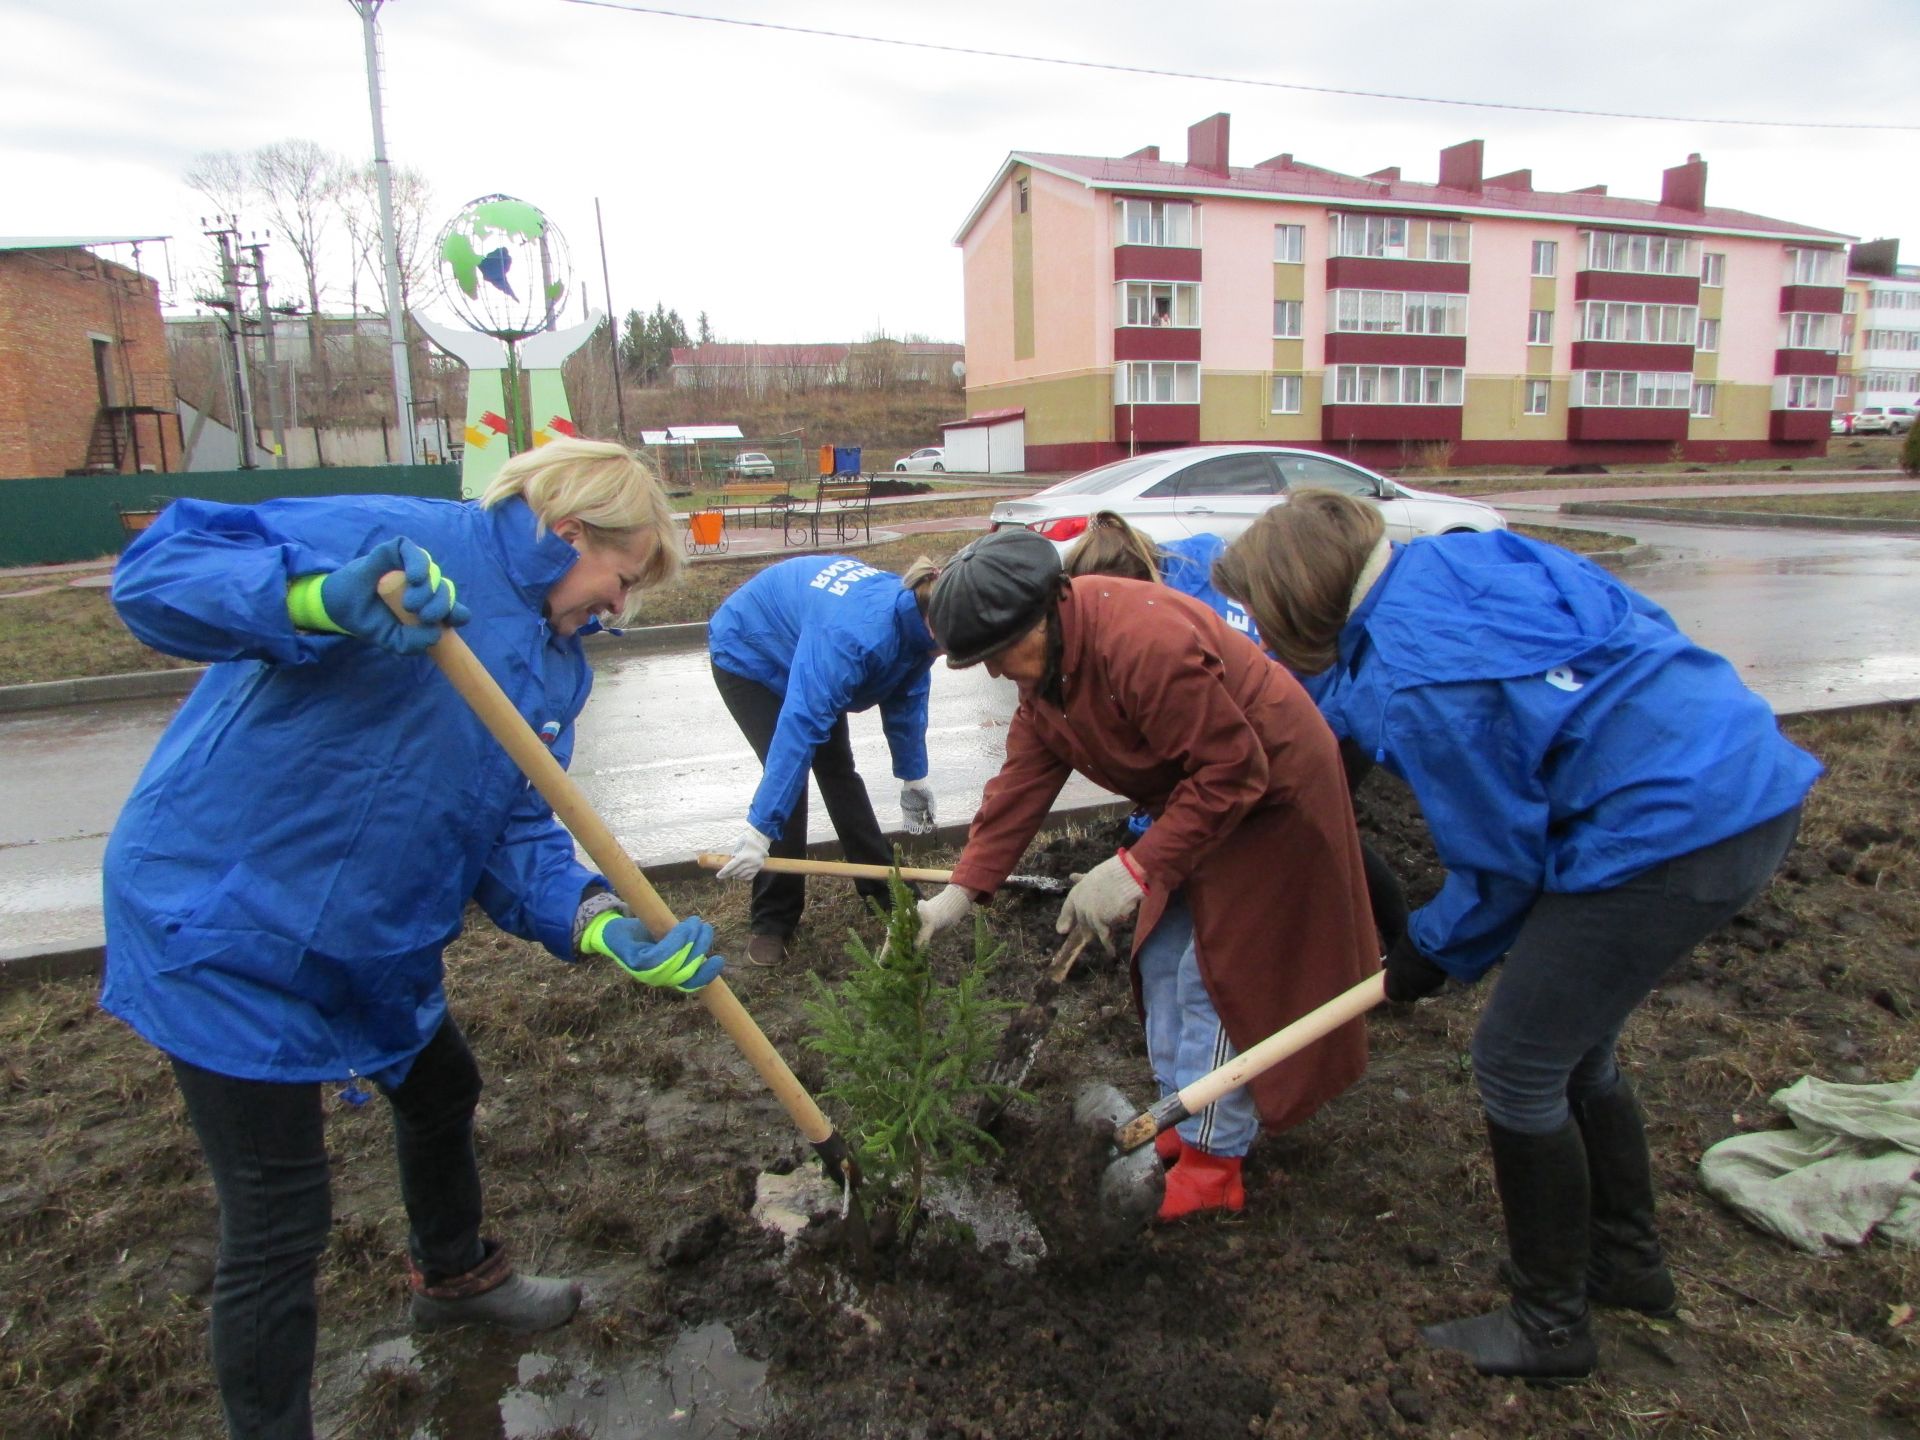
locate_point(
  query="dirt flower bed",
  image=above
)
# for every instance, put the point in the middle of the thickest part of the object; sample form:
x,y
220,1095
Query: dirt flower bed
x,y
621,1138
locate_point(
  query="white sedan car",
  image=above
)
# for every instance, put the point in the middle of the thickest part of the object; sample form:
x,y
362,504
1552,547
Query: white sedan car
x,y
928,457
1220,489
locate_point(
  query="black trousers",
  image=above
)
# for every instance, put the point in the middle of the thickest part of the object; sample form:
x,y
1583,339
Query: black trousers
x,y
779,899
266,1144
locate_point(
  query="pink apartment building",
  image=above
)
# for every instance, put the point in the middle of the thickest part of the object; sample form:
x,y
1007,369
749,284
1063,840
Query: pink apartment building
x,y
1121,304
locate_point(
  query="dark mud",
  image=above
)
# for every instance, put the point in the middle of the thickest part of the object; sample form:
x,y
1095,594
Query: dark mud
x,y
621,1137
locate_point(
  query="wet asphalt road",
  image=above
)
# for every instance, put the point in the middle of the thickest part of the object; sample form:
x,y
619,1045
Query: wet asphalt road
x,y
1812,620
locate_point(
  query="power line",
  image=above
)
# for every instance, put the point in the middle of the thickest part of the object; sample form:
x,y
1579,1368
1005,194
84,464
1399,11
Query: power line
x,y
1228,79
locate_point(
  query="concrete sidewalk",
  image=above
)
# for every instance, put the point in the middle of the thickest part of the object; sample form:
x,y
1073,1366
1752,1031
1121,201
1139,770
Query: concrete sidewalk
x,y
1570,494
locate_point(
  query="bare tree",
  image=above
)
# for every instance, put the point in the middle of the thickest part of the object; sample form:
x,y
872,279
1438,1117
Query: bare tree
x,y
298,183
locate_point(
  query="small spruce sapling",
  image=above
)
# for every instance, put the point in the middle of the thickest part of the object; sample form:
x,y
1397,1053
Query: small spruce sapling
x,y
906,1056
1910,453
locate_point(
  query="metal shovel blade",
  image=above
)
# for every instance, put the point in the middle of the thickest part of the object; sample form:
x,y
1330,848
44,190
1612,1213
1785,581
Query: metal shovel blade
x,y
1132,1184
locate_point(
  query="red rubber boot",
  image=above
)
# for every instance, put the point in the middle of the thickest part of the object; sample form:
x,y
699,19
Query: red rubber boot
x,y
1202,1182
1167,1146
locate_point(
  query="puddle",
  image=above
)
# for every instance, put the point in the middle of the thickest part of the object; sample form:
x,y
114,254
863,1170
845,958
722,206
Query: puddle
x,y
699,1387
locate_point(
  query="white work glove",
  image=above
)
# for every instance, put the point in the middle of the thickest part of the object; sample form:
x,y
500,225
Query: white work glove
x,y
916,806
949,907
749,854
1105,895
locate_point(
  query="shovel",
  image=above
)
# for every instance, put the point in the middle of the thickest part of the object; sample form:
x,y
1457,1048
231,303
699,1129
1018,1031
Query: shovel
x,y
1020,1045
848,870
1130,1188
570,804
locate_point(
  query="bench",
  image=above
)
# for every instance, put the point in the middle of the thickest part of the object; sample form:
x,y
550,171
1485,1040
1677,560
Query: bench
x,y
136,518
842,505
744,503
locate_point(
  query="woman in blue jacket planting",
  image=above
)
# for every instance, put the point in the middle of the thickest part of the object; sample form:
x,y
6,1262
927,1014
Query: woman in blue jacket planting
x,y
794,651
300,848
1603,793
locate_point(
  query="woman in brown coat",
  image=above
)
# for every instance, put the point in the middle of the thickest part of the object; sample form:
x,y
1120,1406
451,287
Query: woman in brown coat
x,y
1251,895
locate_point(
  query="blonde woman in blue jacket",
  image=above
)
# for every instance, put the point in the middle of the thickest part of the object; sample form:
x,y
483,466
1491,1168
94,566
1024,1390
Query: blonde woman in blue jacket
x,y
301,846
1603,793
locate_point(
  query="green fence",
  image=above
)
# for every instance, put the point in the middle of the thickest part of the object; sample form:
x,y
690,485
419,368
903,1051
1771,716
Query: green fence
x,y
47,519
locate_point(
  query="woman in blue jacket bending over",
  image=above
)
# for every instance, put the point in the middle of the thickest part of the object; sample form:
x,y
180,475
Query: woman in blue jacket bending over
x,y
300,848
1603,793
794,650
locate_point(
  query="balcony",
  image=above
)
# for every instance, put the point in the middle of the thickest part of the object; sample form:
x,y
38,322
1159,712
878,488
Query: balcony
x,y
1166,424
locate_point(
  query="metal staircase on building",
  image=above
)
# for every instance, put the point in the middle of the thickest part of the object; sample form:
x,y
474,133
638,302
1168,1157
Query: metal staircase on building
x,y
111,441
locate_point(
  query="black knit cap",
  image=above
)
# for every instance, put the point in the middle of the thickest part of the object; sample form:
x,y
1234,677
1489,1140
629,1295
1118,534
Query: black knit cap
x,y
992,593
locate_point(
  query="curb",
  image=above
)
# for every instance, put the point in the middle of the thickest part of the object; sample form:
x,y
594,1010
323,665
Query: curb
x,y
1624,510
27,966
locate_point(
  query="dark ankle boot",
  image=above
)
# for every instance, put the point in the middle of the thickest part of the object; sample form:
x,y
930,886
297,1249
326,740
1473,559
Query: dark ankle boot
x,y
493,1293
1544,1332
1626,1267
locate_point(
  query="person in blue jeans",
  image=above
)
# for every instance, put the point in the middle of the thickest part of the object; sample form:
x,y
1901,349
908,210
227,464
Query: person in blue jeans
x,y
794,651
1112,546
1603,794
301,847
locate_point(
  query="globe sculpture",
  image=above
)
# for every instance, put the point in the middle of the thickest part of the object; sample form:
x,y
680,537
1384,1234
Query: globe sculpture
x,y
504,271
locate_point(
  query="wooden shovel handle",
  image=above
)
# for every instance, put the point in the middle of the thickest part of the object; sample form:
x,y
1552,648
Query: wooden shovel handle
x,y
1291,1040
570,804
846,869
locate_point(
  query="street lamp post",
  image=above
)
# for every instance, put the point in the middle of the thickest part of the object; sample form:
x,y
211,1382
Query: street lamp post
x,y
368,11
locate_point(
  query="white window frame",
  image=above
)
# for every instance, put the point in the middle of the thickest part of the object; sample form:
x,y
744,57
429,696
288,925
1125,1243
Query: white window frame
x,y
1439,385
1538,397
1631,389
1810,330
1165,224
1803,392
1850,302
1289,244
1156,382
1400,237
1705,394
1713,269
1707,340
1638,323
1808,266
1398,312
1844,390
1284,394
1287,319
1134,303
1637,253
1539,327
1546,258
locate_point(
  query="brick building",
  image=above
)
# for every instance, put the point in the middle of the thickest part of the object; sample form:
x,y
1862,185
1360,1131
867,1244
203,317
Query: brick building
x,y
1128,302
86,384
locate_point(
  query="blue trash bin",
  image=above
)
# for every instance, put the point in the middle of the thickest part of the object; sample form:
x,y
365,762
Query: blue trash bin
x,y
846,459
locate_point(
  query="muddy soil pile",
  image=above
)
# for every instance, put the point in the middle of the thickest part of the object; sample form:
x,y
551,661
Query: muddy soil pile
x,y
621,1137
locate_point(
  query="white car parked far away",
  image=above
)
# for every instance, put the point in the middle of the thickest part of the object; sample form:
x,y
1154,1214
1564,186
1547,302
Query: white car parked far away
x,y
1220,489
930,457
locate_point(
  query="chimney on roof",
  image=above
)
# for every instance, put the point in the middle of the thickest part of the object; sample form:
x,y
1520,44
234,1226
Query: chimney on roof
x,y
1874,257
1386,176
1684,187
1146,152
1590,190
1460,165
1513,180
1207,144
1282,161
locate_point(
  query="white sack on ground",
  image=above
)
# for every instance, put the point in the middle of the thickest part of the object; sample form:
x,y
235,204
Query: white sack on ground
x,y
1850,1166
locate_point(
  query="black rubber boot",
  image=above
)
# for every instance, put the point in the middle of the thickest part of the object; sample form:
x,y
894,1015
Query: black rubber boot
x,y
1544,1332
493,1293
1626,1268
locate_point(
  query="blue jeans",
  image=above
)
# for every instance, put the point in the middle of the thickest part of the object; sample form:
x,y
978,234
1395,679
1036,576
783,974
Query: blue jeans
x,y
1185,1038
266,1146
1581,963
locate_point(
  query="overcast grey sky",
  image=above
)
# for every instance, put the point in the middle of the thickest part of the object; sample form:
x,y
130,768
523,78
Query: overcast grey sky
x,y
805,188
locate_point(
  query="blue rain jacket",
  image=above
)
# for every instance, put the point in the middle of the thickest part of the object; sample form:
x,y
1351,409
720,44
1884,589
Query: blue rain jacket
x,y
829,635
300,847
1558,730
1187,566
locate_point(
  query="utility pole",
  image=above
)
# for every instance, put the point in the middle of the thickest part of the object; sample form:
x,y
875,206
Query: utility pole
x,y
368,11
243,424
266,336
613,324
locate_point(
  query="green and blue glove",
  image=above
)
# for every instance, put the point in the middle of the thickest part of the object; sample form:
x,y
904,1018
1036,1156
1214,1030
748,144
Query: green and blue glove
x,y
678,960
348,601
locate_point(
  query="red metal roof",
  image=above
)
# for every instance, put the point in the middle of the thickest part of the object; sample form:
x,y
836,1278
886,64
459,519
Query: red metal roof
x,y
1285,177
985,417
